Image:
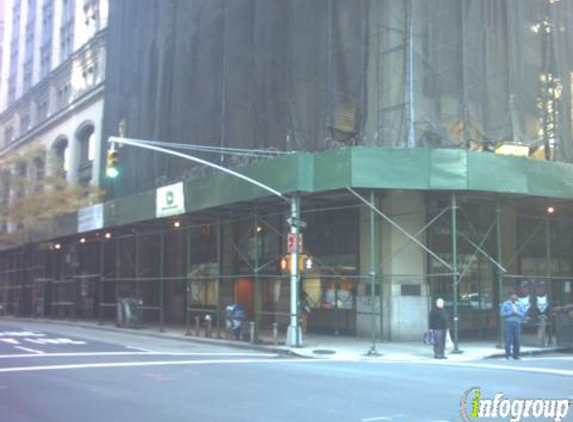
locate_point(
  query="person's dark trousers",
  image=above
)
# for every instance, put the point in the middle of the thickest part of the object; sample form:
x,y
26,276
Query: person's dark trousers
x,y
439,343
512,339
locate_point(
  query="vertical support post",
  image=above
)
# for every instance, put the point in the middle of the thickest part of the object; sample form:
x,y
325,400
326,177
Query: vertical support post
x,y
137,269
187,280
117,269
455,269
542,335
480,309
101,276
294,337
336,313
410,74
499,276
74,280
161,280
219,267
258,294
372,351
138,297
548,245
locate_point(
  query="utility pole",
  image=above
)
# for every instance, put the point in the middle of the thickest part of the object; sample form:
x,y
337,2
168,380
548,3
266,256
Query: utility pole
x,y
294,337
372,238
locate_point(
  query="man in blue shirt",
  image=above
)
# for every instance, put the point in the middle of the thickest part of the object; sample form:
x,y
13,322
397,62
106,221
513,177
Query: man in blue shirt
x,y
513,312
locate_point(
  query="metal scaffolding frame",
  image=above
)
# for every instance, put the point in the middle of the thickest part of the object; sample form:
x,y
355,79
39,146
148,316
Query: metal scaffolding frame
x,y
64,269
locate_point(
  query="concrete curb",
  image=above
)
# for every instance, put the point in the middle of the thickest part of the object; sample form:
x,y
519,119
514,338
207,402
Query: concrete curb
x,y
545,351
281,350
159,335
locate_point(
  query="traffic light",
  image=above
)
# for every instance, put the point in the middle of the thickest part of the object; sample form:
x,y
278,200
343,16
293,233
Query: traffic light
x,y
305,263
112,156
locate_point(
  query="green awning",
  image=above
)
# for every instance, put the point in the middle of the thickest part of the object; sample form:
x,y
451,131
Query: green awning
x,y
358,167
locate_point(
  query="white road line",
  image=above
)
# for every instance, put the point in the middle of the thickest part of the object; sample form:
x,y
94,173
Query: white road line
x,y
381,418
87,354
151,363
516,368
25,349
139,349
549,358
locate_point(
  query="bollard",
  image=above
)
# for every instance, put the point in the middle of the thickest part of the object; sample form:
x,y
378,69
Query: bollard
x,y
208,327
120,313
275,333
197,325
542,331
252,332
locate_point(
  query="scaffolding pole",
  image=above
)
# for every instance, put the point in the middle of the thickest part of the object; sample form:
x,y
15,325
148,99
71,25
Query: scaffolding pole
x,y
455,269
258,286
137,267
219,266
161,281
187,280
102,275
548,245
499,275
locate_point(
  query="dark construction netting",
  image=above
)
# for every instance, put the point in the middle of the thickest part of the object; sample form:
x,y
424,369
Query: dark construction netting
x,y
319,74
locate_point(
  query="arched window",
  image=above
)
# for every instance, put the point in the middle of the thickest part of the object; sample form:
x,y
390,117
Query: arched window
x,y
86,152
39,172
21,183
61,158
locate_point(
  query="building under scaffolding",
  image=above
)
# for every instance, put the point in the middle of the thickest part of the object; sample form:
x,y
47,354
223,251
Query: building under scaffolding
x,y
389,120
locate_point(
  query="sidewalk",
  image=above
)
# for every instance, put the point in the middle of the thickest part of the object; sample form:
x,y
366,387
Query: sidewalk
x,y
357,348
315,346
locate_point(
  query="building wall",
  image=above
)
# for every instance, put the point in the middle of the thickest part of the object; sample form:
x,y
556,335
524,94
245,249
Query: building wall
x,y
403,263
63,96
408,311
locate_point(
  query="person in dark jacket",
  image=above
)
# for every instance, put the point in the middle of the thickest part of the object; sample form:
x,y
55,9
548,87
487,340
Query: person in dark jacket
x,y
438,320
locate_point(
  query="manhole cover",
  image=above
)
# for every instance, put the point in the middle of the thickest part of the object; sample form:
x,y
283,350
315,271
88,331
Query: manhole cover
x,y
324,352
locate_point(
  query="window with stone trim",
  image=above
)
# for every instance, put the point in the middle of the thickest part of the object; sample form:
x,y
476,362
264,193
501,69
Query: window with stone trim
x,y
46,44
67,29
92,16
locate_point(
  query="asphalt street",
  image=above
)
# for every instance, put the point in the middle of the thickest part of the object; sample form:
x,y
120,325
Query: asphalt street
x,y
52,373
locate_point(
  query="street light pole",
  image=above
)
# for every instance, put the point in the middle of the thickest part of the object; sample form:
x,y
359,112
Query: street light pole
x,y
373,351
294,337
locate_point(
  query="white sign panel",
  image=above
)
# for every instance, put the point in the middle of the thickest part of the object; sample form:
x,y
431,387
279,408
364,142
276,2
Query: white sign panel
x,y
170,200
90,218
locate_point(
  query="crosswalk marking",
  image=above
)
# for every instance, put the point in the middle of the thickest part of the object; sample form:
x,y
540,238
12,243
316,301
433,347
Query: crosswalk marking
x,y
25,349
54,341
21,334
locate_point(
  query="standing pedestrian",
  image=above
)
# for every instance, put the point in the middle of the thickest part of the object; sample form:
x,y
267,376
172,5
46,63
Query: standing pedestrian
x,y
439,324
513,312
